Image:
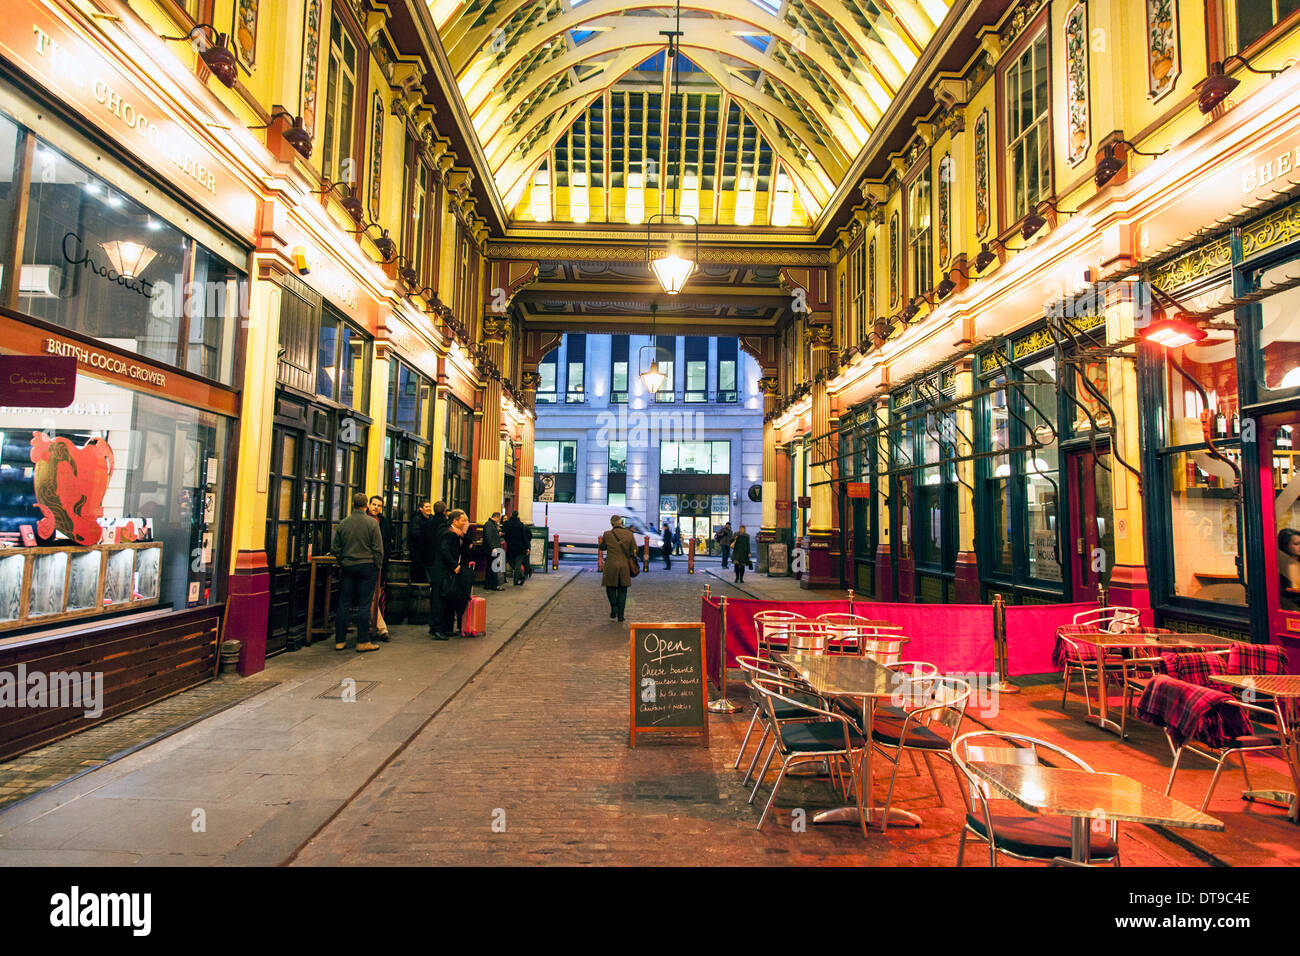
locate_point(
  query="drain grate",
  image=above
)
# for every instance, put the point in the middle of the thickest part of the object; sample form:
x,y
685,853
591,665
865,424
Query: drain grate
x,y
354,690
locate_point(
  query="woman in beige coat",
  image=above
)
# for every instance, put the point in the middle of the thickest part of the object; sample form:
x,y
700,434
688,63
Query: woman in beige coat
x,y
620,547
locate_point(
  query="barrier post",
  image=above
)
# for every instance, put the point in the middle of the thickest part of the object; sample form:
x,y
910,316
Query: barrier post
x,y
690,562
1101,594
600,558
706,592
850,600
1003,685
555,553
722,705
645,554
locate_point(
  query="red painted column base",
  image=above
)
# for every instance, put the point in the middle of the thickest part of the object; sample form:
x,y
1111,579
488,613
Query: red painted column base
x,y
966,579
884,573
248,609
823,560
1129,588
907,580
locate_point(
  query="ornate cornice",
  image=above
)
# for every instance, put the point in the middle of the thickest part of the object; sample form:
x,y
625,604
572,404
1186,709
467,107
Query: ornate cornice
x,y
541,251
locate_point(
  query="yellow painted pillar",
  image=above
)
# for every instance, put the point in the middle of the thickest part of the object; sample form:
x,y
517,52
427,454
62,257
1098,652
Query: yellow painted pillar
x,y
1128,582
379,422
489,476
524,478
257,410
824,551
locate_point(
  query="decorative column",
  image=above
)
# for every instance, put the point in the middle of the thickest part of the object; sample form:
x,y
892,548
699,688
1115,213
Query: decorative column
x,y
1128,580
769,385
824,556
879,501
248,603
378,411
489,477
966,583
524,477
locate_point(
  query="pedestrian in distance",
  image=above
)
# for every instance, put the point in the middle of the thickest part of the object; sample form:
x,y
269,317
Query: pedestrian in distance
x,y
423,545
517,538
723,537
677,540
375,508
491,548
358,547
668,547
740,553
620,545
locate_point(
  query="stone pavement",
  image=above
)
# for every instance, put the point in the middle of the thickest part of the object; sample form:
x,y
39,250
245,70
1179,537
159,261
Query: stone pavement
x,y
530,764
250,784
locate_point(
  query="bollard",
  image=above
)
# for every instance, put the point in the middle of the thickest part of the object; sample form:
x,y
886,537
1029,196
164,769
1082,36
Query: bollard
x,y
722,705
555,553
600,557
1003,686
690,562
850,600
1101,594
707,591
645,554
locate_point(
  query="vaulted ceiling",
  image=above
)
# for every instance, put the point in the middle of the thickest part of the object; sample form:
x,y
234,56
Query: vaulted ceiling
x,y
571,101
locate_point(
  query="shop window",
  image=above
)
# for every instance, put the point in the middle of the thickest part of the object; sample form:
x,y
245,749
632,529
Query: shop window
x,y
697,369
97,262
728,360
1211,363
12,138
547,371
618,369
575,351
998,483
618,457
342,363
1042,471
558,461
456,457
1279,331
410,399
695,458
1028,129
145,533
337,156
1089,379
919,234
417,232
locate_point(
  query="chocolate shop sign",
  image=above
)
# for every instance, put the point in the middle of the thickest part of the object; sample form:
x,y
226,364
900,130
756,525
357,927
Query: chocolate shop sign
x,y
104,362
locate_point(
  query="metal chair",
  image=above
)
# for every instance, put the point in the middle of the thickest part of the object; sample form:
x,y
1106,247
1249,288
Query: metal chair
x,y
805,637
769,627
928,730
1034,838
830,738
757,667
1111,620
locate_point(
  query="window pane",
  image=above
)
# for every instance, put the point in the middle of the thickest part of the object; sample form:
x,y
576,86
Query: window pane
x,y
327,358
1205,528
618,457
1212,363
721,458
546,457
1280,332
569,457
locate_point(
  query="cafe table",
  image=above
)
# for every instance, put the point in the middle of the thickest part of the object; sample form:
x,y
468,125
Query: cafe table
x,y
1087,797
1285,689
1153,643
865,680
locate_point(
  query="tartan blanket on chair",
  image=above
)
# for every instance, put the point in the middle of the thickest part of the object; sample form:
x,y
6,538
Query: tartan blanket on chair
x,y
1066,651
1256,659
1188,711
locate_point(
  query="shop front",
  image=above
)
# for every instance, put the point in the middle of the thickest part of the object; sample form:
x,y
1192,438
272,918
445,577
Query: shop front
x,y
695,490
120,338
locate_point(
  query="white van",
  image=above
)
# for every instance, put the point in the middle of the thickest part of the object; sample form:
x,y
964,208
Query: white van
x,y
580,526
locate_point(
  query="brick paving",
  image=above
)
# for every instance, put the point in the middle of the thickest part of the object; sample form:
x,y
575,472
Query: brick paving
x,y
537,742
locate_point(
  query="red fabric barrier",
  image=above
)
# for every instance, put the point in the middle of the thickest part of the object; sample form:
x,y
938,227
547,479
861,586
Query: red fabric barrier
x,y
957,638
1031,635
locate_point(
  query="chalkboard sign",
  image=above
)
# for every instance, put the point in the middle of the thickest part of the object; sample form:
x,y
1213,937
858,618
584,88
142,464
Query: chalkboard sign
x,y
778,560
669,687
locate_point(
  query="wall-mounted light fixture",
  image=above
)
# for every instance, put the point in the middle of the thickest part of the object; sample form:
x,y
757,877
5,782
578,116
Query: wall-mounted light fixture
x,y
383,242
1035,221
295,135
351,204
986,256
216,55
1109,162
1217,85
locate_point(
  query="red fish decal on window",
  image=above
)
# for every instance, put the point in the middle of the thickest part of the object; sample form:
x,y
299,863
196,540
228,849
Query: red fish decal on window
x,y
70,483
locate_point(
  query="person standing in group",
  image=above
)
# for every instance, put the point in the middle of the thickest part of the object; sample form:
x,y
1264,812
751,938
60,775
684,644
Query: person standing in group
x,y
491,545
517,541
439,518
455,574
740,553
677,539
668,547
621,545
375,509
423,545
723,537
359,548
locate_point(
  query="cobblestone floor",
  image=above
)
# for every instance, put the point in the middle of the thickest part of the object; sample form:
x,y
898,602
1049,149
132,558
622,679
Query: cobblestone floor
x,y
55,763
536,745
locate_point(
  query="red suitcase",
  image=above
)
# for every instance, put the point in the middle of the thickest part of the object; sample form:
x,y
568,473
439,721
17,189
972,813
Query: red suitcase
x,y
474,623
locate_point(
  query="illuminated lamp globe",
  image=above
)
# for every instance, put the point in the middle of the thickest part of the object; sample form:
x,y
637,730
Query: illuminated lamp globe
x,y
672,271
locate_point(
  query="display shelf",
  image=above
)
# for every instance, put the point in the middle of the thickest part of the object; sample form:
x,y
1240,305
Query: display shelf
x,y
59,583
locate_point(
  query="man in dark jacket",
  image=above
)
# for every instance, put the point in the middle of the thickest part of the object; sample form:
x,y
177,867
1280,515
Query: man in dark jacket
x,y
439,518
518,540
359,549
423,544
667,547
380,603
491,547
723,537
454,575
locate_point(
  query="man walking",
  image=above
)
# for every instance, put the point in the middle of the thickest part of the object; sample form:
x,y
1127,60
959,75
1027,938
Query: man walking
x,y
359,549
723,537
375,509
518,541
617,576
668,547
740,553
677,539
423,544
492,547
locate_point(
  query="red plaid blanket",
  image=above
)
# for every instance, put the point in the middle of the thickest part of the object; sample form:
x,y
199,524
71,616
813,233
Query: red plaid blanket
x,y
1197,667
1188,711
1256,659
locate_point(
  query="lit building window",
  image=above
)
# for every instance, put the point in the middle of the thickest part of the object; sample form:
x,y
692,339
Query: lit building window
x,y
745,201
578,208
634,204
783,203
541,196
691,196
